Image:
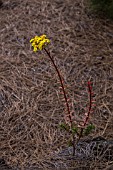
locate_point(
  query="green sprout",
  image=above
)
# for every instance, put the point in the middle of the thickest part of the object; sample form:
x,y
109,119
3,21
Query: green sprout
x,y
88,129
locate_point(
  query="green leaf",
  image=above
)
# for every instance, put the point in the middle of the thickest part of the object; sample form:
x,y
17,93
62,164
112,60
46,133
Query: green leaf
x,y
74,130
89,129
64,126
70,143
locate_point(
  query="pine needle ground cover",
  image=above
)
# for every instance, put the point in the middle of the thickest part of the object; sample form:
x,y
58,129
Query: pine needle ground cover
x,y
31,105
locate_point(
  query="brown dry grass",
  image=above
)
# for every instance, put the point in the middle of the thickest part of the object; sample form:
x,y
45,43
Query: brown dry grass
x,y
31,106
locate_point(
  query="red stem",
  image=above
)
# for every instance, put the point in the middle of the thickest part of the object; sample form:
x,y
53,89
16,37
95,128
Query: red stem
x,y
62,85
89,111
90,103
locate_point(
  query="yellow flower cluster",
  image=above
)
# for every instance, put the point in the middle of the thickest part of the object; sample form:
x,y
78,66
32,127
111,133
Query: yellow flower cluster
x,y
38,42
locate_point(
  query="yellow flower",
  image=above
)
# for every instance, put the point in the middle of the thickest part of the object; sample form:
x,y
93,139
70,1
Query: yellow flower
x,y
39,42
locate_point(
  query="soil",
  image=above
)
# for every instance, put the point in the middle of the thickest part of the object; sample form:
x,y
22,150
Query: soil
x,y
31,105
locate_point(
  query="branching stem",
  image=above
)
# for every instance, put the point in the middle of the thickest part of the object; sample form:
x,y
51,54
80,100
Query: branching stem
x,y
67,104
